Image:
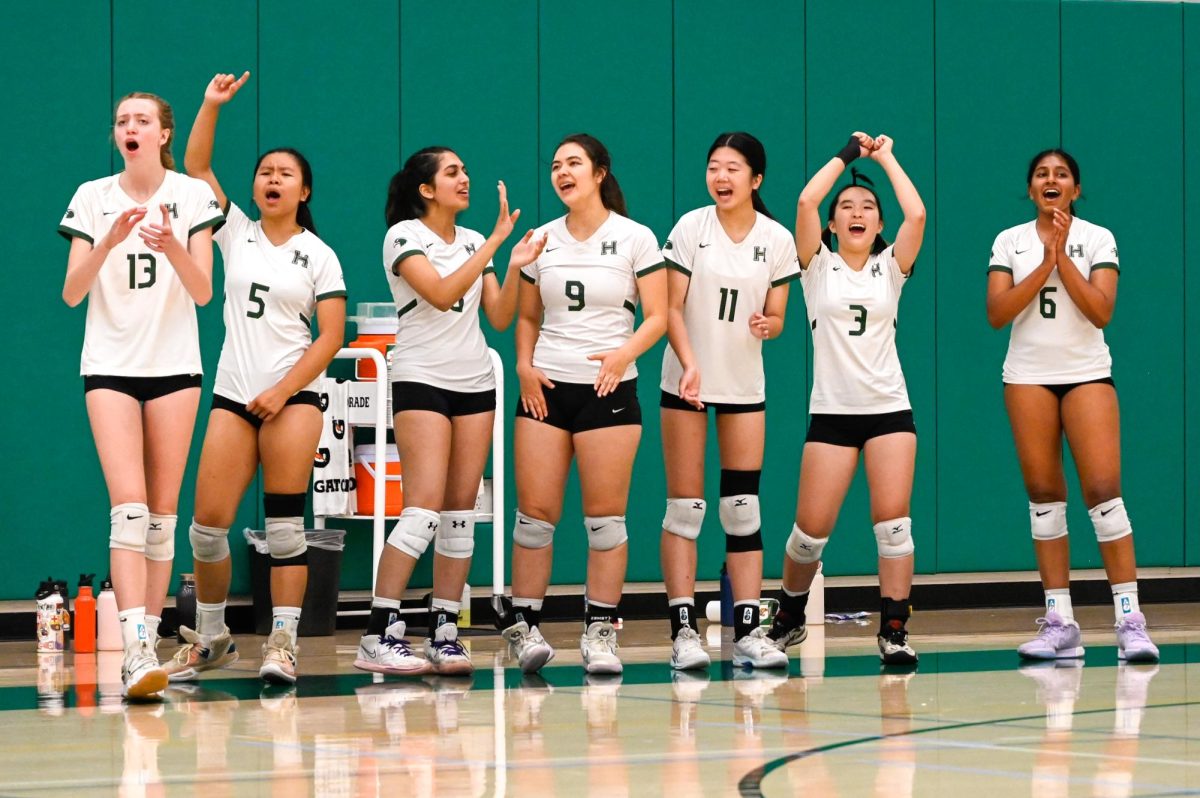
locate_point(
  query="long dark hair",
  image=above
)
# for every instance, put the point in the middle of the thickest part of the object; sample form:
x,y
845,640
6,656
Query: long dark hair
x,y
1072,167
404,200
610,190
303,212
755,154
857,180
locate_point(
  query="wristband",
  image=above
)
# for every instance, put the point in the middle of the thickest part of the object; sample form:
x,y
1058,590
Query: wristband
x,y
851,151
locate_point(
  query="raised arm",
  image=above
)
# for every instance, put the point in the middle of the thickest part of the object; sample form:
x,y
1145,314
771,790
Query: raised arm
x,y
808,208
500,301
197,159
912,229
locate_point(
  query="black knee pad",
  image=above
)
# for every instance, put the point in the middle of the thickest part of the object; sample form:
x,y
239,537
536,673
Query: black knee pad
x,y
283,505
739,510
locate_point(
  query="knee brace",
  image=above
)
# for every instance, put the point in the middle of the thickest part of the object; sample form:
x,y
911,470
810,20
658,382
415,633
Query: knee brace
x,y
160,538
739,511
605,532
413,531
684,517
285,528
894,538
456,534
1048,520
1110,520
803,549
128,525
209,543
532,533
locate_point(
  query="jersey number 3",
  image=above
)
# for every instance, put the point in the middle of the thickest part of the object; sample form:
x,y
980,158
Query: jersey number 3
x,y
255,299
149,271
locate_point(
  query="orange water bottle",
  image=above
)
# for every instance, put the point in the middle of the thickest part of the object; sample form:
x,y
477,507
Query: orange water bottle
x,y
85,616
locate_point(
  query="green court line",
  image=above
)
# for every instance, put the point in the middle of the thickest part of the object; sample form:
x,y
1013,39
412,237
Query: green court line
x,y
565,676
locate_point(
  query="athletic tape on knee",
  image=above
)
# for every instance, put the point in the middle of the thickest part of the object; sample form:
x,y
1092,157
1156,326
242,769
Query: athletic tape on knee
x,y
1048,520
413,531
127,527
285,541
894,538
456,534
802,548
684,517
209,543
605,532
532,533
1110,520
160,538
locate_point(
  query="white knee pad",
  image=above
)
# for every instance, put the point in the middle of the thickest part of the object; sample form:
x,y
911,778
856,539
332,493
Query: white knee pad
x,y
684,517
1110,520
128,525
160,538
285,539
1048,520
802,548
532,533
209,543
413,531
605,532
456,534
894,538
740,515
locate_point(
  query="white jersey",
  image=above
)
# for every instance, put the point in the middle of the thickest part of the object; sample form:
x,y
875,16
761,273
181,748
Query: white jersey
x,y
141,321
1052,342
443,348
271,294
853,318
728,283
589,291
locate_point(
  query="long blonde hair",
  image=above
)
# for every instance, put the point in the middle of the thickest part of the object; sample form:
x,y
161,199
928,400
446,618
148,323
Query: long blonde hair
x,y
166,118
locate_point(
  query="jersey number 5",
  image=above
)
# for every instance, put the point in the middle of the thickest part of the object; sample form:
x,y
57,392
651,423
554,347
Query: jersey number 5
x,y
150,270
255,299
574,289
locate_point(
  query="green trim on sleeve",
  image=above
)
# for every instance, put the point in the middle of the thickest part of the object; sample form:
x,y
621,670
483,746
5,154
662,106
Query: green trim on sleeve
x,y
662,264
216,220
527,278
489,269
1106,265
632,308
997,268
303,319
70,232
400,313
341,292
679,267
405,254
787,278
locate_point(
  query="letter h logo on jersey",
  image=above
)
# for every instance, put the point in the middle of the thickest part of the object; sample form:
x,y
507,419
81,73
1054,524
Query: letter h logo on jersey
x,y
875,270
470,248
1075,251
760,254
608,247
300,257
173,208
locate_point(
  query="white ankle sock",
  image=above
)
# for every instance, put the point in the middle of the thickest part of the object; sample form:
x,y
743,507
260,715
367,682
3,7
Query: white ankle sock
x,y
1125,599
288,619
1059,600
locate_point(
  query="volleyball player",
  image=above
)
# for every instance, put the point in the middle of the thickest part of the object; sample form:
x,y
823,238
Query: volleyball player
x,y
1055,279
141,355
443,397
859,399
729,269
279,276
576,351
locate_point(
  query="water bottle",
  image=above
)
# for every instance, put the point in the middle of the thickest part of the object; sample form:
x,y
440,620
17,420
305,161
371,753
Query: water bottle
x,y
464,613
185,604
85,616
726,597
50,635
108,625
64,591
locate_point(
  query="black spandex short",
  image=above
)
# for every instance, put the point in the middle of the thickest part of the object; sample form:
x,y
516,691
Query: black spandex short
x,y
238,409
855,430
669,401
143,389
419,396
1065,388
575,407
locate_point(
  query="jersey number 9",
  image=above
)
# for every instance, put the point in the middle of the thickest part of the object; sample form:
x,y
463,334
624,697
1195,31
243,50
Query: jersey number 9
x,y
150,270
574,291
255,299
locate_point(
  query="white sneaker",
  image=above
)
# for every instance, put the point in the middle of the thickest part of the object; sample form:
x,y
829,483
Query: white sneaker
x,y
528,646
142,677
279,659
446,654
756,650
390,653
599,648
687,652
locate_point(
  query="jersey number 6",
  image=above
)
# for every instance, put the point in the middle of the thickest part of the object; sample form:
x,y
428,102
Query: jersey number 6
x,y
574,289
150,270
255,299
1048,308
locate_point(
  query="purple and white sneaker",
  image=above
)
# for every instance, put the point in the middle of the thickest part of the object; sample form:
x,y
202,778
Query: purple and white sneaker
x,y
1056,639
1133,643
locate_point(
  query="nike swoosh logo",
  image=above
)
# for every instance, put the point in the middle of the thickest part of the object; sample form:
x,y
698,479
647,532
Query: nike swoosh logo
x,y
1106,512
597,528
551,249
372,654
702,246
107,213
1039,515
251,241
618,410
133,517
1020,251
